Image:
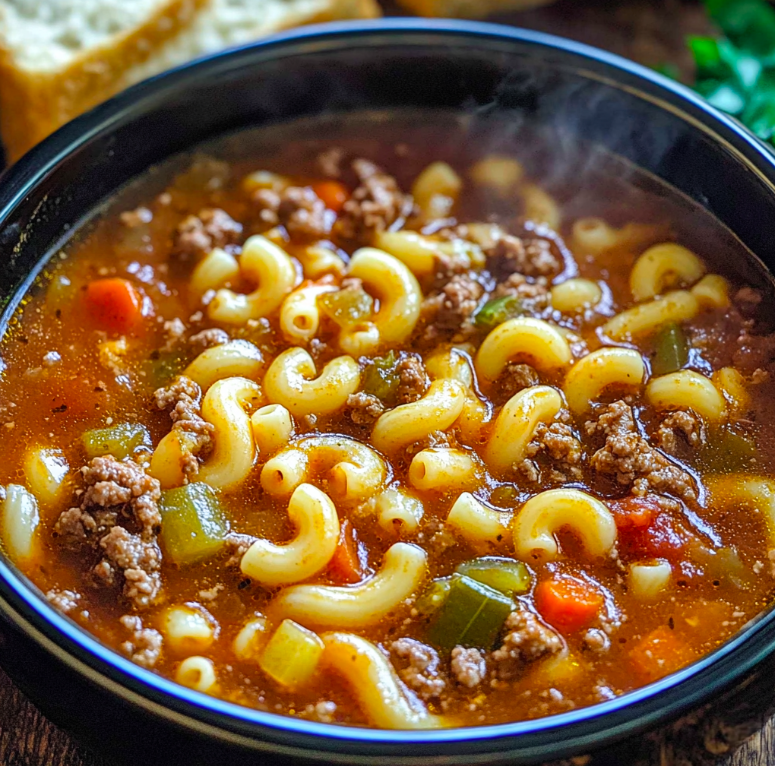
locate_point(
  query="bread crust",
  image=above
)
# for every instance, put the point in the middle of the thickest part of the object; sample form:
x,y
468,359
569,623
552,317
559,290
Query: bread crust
x,y
35,104
468,9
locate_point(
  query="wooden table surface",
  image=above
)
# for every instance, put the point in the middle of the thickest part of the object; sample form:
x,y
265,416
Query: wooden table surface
x,y
742,731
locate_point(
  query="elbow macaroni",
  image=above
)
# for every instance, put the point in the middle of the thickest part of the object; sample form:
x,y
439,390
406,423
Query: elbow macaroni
x,y
398,511
687,390
45,471
290,381
235,451
574,295
664,266
237,358
477,523
677,306
408,423
187,630
19,521
441,468
436,190
314,516
516,423
217,269
399,297
264,264
382,697
540,207
595,372
357,606
542,345
541,517
197,673
352,470
272,428
300,315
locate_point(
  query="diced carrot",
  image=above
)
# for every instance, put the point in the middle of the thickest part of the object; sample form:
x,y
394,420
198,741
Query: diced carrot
x,y
659,653
347,565
114,304
568,603
333,193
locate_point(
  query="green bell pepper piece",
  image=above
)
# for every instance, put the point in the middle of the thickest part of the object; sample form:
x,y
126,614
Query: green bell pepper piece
x,y
507,576
121,441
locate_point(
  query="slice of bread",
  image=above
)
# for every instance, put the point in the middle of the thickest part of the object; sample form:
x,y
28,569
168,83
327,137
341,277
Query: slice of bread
x,y
468,9
59,58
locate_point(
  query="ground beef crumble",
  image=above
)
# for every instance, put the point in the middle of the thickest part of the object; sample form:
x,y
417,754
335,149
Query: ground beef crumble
x,y
421,667
680,428
515,378
197,235
144,646
560,444
119,492
209,338
376,204
65,601
534,297
413,381
527,639
183,398
628,457
451,309
297,208
364,409
468,666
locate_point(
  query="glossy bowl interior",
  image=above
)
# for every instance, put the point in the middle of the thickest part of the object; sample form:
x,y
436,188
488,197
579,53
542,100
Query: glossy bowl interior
x,y
475,68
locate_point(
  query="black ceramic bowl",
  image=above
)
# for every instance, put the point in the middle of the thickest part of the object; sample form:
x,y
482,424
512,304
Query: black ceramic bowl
x,y
627,109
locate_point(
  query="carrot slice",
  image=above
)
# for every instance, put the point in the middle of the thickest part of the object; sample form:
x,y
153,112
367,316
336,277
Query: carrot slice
x,y
568,603
333,194
114,304
347,565
659,653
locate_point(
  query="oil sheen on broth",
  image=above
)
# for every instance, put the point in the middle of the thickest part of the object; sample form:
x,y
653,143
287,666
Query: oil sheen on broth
x,y
424,404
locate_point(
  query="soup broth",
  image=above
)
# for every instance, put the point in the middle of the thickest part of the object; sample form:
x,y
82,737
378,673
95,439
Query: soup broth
x,y
399,422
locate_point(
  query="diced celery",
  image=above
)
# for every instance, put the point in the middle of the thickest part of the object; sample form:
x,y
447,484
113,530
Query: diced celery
x,y
507,576
193,525
163,366
727,451
671,350
121,441
347,307
380,378
434,596
497,311
505,496
472,615
292,654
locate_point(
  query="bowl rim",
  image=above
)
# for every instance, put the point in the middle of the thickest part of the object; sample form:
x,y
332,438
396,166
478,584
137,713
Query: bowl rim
x,y
540,738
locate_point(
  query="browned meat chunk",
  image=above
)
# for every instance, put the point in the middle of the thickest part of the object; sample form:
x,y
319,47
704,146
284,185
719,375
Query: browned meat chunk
x,y
174,330
330,162
534,297
213,336
421,667
144,646
468,666
527,639
376,204
754,352
119,492
64,600
364,409
560,444
514,379
298,209
197,235
451,309
137,217
412,379
628,457
679,429
183,398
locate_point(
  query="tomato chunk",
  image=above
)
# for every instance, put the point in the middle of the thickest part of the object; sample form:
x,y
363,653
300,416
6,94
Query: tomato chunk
x,y
333,193
634,511
659,653
567,603
114,304
662,538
